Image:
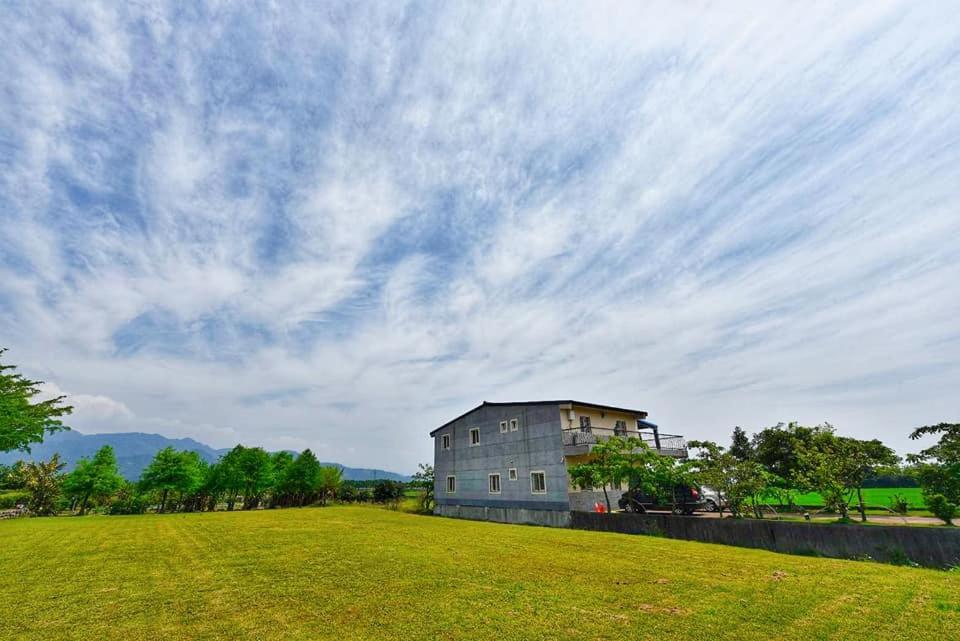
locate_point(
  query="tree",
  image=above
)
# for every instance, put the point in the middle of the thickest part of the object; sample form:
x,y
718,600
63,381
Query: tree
x,y
171,470
255,470
329,481
22,421
9,478
42,480
778,449
423,480
387,491
938,469
281,462
866,458
95,478
226,477
301,480
735,481
605,468
740,446
837,466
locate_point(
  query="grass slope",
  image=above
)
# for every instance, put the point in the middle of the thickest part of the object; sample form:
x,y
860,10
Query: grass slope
x,y
368,573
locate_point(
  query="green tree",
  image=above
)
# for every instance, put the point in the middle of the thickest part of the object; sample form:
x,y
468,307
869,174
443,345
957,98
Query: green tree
x,y
737,482
387,491
255,472
837,466
226,476
866,458
778,450
42,479
740,446
329,481
301,480
938,469
9,478
605,468
23,421
423,480
95,478
171,471
279,494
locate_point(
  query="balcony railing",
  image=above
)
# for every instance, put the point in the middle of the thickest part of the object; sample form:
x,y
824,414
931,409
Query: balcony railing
x,y
668,444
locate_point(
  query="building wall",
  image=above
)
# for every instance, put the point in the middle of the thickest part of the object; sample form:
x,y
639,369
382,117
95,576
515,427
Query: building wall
x,y
606,419
536,446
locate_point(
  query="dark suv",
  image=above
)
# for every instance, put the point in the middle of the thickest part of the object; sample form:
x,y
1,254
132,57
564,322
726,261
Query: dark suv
x,y
686,500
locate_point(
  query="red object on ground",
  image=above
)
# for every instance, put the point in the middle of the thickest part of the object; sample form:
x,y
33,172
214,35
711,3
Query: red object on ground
x,y
599,507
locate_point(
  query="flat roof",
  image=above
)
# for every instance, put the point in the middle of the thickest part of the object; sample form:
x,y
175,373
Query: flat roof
x,y
598,406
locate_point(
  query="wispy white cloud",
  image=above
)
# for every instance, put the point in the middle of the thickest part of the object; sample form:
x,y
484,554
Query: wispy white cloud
x,y
339,226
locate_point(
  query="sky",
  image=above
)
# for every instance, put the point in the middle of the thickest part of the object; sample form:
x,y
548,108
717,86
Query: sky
x,y
339,225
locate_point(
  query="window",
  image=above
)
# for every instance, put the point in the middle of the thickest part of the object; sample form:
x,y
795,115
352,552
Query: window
x,y
503,427
538,483
584,423
445,441
474,436
514,424
512,474
451,484
620,428
494,481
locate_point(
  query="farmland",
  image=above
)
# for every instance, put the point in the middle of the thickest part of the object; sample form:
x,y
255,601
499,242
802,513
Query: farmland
x,y
875,497
371,573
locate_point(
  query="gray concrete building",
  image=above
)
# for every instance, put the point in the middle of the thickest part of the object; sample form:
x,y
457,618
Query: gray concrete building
x,y
509,461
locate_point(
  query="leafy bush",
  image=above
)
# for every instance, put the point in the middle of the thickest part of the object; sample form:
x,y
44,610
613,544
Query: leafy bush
x,y
899,504
388,492
130,501
10,500
347,494
943,508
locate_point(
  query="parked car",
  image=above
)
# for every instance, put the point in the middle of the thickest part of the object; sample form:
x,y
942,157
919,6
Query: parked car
x,y
711,499
686,500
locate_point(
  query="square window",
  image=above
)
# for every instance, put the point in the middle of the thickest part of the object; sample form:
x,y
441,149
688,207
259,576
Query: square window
x,y
445,441
512,474
514,424
451,484
538,483
494,481
474,436
503,427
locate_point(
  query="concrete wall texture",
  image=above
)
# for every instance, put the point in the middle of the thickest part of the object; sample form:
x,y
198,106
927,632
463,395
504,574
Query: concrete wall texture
x,y
930,547
536,446
549,518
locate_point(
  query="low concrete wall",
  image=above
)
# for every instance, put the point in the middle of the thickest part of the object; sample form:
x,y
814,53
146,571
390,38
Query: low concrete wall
x,y
930,547
586,500
551,518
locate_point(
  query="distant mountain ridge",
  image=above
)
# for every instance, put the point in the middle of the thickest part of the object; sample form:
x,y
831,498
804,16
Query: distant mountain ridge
x,y
135,450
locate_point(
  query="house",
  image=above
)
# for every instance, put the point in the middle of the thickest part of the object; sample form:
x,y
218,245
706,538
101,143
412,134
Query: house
x,y
509,461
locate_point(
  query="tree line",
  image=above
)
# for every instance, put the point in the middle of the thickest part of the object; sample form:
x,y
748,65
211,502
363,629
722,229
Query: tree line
x,y
245,478
779,463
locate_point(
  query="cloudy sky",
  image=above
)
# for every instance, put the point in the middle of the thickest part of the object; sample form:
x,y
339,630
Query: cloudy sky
x,y
339,225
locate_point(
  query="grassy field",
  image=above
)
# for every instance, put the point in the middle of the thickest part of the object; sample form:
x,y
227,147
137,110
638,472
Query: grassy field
x,y
368,573
873,496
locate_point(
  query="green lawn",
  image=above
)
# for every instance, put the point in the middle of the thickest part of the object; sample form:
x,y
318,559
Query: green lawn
x,y
369,573
873,496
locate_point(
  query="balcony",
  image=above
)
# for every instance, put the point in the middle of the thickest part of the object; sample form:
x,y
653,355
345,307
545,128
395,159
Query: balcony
x,y
580,440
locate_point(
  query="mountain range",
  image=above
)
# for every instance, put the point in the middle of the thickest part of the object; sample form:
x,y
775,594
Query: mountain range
x,y
135,450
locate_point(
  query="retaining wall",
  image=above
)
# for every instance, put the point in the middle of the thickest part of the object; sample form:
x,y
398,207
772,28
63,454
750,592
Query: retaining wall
x,y
927,546
551,518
